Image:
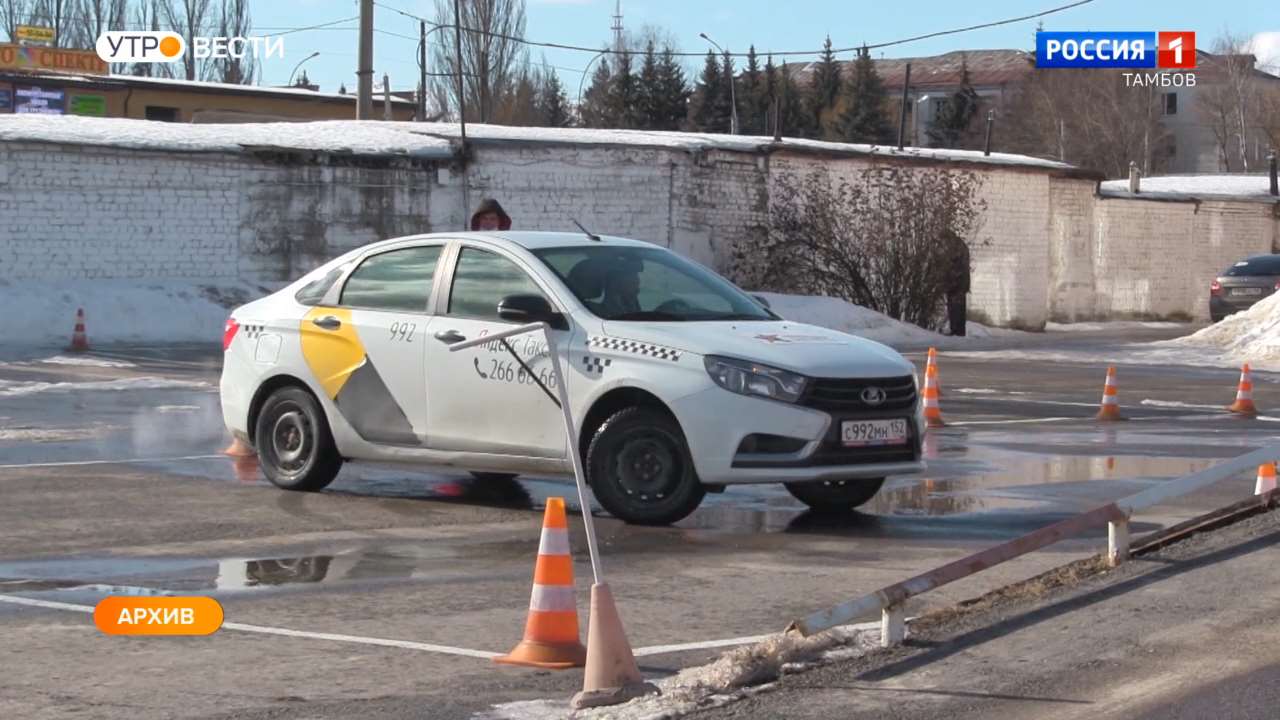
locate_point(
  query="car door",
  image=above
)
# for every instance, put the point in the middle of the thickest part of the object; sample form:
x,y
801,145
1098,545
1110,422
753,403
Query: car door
x,y
368,351
483,399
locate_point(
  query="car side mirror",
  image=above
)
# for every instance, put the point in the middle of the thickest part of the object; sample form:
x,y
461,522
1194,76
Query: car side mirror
x,y
763,301
529,308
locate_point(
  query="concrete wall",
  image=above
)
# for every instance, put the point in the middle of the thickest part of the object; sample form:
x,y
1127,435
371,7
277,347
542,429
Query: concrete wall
x,y
1047,246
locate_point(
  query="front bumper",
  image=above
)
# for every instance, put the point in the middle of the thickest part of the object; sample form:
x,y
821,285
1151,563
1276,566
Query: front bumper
x,y
716,421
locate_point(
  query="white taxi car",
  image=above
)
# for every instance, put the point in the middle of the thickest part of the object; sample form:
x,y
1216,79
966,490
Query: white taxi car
x,y
679,382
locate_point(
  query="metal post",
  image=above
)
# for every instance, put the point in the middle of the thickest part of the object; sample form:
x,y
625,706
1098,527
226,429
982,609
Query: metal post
x,y
386,97
1117,542
893,626
733,96
777,119
364,75
422,71
1271,160
986,145
462,89
584,498
902,119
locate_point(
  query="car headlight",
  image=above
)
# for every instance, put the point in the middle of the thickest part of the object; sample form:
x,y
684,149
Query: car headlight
x,y
748,378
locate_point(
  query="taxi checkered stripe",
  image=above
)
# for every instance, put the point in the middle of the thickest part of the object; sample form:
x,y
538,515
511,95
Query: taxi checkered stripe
x,y
252,331
595,364
633,347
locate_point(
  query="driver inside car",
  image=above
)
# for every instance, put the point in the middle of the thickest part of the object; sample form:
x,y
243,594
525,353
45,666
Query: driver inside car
x,y
621,288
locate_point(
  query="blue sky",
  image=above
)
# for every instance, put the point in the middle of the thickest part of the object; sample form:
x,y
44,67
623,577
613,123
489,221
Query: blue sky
x,y
735,24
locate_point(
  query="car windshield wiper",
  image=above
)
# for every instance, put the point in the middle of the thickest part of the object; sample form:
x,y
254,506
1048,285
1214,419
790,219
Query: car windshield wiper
x,y
649,315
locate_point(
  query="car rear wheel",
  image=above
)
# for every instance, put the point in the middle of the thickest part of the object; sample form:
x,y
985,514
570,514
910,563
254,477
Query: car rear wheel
x,y
835,495
639,468
295,447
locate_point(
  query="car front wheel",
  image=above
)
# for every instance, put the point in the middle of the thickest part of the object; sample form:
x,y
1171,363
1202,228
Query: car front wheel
x,y
835,495
639,468
295,447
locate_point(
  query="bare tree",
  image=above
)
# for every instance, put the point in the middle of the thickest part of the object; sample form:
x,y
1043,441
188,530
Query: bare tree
x,y
1228,89
885,239
14,13
147,15
94,17
234,21
55,14
188,19
492,56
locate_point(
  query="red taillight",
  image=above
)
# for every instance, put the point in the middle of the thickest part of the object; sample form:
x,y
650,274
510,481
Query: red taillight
x,y
229,333
1216,288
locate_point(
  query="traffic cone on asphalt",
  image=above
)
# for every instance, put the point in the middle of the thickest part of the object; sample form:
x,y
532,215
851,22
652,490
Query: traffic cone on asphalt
x,y
932,412
551,632
79,341
612,676
1244,394
1110,410
933,363
239,448
1266,478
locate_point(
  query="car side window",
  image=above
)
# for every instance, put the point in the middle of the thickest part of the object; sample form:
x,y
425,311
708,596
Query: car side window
x,y
313,292
396,280
482,279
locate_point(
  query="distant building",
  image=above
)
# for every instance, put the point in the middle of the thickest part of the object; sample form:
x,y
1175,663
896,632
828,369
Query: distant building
x,y
58,81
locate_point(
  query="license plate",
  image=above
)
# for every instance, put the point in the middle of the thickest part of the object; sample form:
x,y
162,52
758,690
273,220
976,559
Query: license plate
x,y
865,433
1246,291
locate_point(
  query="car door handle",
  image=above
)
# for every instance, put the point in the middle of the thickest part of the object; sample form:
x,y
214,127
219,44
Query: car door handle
x,y
449,337
328,322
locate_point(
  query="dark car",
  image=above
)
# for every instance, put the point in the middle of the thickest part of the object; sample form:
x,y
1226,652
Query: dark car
x,y
1244,284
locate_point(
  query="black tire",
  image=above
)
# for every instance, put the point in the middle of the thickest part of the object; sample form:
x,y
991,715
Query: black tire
x,y
494,476
660,486
835,495
295,446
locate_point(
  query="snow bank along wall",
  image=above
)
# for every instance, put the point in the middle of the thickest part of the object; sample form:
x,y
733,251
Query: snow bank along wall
x,y
1049,247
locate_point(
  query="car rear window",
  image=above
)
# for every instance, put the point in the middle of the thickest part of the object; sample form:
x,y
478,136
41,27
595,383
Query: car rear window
x,y
1266,265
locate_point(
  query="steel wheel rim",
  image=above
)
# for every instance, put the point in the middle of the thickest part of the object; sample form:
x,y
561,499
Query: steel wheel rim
x,y
292,440
648,466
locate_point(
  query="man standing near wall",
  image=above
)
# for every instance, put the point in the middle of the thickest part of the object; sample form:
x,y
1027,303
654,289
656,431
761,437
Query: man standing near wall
x,y
957,285
490,216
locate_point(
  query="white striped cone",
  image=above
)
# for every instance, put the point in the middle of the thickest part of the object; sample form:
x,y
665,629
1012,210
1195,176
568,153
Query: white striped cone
x,y
1266,479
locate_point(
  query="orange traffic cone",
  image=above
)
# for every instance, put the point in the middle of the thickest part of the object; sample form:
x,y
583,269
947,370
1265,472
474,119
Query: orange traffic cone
x,y
79,341
239,448
1266,478
1244,394
551,633
933,363
1110,410
932,412
245,468
612,676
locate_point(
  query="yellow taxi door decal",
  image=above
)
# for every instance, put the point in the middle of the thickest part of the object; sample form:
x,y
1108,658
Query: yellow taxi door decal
x,y
332,354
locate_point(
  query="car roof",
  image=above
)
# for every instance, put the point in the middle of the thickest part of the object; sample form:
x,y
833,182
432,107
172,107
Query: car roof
x,y
527,239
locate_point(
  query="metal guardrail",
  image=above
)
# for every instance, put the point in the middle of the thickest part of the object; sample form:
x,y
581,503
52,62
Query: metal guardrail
x,y
889,600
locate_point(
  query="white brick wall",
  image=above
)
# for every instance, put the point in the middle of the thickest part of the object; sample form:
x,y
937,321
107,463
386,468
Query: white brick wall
x,y
1046,247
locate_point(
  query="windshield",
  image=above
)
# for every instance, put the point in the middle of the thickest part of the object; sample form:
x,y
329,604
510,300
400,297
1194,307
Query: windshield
x,y
640,283
1261,265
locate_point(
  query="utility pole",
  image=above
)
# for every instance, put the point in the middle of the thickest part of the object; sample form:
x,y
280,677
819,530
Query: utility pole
x,y
386,97
462,88
364,76
902,114
422,71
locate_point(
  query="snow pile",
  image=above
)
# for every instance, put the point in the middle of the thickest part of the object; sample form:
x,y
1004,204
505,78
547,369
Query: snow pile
x,y
844,316
1192,186
1251,336
42,313
335,136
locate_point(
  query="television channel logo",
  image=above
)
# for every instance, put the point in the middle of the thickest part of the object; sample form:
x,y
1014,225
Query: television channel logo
x,y
1086,49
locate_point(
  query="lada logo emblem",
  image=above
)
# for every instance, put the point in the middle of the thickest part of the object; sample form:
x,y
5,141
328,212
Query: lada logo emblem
x,y
873,396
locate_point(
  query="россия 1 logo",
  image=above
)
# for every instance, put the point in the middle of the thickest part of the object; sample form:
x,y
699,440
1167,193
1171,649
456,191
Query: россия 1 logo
x,y
1139,50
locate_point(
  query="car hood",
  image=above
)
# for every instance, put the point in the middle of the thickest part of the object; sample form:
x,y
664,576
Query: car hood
x,y
806,349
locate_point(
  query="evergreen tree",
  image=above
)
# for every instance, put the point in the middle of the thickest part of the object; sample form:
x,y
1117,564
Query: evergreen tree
x,y
553,104
711,99
769,92
595,110
648,91
955,113
825,89
865,118
752,102
732,96
795,119
673,93
624,95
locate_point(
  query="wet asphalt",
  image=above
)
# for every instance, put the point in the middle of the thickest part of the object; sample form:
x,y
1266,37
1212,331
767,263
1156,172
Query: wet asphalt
x,y
113,484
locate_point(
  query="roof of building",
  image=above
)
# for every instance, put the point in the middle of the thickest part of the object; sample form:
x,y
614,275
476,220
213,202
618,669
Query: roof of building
x,y
438,140
198,86
986,68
